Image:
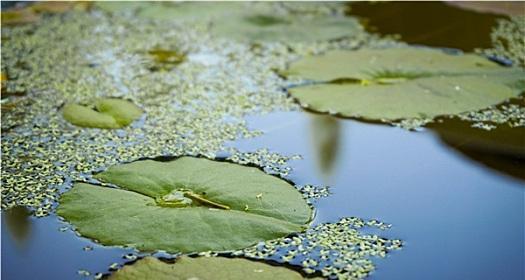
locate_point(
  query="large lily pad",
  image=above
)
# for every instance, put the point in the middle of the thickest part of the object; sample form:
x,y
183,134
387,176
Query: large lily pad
x,y
268,27
398,83
185,205
105,113
247,21
204,268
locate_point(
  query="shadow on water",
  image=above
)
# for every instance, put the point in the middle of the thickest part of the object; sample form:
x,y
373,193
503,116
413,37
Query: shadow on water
x,y
325,135
502,149
18,222
428,23
51,250
459,220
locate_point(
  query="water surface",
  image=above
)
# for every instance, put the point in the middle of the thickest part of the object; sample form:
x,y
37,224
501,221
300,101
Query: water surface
x,y
459,218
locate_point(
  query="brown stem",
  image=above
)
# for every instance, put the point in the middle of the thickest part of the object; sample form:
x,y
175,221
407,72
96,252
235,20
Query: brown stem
x,y
205,201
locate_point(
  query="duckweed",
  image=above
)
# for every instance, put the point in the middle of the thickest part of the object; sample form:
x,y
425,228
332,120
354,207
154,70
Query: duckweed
x,y
191,108
336,250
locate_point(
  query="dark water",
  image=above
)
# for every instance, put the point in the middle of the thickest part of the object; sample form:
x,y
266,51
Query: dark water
x,y
428,23
457,204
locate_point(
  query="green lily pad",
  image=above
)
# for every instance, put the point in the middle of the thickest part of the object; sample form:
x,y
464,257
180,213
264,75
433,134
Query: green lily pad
x,y
105,113
268,27
204,268
399,83
246,22
185,205
173,11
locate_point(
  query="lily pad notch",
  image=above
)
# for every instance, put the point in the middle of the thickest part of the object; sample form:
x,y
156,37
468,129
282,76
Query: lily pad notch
x,y
185,205
402,83
102,113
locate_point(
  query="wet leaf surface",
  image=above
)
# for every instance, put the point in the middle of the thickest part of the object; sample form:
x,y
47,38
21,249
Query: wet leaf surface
x,y
187,205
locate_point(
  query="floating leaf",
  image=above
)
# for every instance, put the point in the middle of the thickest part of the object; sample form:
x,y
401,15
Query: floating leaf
x,y
392,84
105,113
269,27
241,21
173,11
187,205
204,268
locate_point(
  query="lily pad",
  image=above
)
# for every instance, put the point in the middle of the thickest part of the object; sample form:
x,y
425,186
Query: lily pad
x,y
173,11
269,27
246,21
104,113
185,205
399,83
204,268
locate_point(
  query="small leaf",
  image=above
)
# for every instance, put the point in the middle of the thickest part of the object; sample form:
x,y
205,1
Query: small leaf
x,y
185,205
166,56
164,59
106,113
204,268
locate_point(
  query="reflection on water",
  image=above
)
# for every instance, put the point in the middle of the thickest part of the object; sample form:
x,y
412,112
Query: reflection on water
x,y
51,250
18,224
502,149
459,219
325,134
428,23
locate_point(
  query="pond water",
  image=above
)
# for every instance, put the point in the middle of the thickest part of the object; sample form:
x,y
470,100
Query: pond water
x,y
428,23
459,216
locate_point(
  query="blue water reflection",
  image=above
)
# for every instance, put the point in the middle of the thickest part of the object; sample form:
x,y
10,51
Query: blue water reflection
x,y
459,219
49,253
